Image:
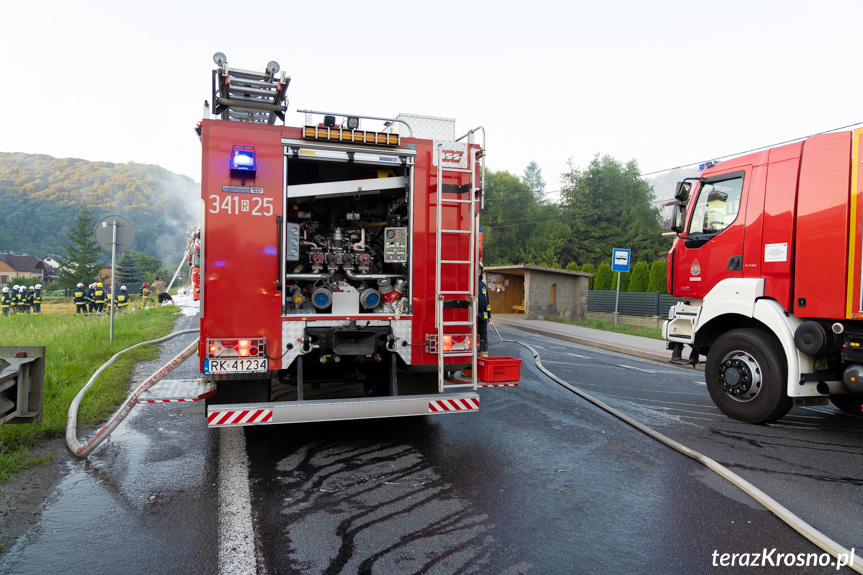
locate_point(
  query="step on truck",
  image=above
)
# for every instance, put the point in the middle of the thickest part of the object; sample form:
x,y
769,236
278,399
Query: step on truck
x,y
768,261
338,259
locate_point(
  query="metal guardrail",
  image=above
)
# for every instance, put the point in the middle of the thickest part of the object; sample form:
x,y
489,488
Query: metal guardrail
x,y
22,383
631,303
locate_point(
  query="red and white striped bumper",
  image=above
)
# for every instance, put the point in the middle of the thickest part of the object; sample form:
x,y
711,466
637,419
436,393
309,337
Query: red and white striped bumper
x,y
462,404
239,417
340,409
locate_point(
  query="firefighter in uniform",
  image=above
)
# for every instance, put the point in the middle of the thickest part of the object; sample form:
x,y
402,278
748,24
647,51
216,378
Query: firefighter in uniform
x,y
5,300
80,295
29,298
484,315
37,299
145,294
20,302
99,298
91,304
122,299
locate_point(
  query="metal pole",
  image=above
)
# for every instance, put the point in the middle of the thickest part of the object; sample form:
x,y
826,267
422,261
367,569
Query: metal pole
x,y
616,298
113,270
182,261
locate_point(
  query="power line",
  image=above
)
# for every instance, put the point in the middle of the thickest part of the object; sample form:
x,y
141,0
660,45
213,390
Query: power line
x,y
752,150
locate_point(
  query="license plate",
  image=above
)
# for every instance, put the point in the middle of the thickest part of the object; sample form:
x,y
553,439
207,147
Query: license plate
x,y
235,365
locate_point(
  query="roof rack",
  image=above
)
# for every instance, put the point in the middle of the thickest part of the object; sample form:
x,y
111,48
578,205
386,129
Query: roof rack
x,y
245,96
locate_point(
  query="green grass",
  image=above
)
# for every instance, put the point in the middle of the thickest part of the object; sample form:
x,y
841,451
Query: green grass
x,y
76,347
608,326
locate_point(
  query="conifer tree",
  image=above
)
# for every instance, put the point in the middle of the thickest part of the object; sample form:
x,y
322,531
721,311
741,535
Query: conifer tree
x,y
83,258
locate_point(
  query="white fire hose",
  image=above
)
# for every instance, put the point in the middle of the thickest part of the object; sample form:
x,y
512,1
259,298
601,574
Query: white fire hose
x,y
818,538
83,449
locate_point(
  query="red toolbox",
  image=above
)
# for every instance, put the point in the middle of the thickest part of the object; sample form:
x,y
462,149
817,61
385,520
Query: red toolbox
x,y
497,369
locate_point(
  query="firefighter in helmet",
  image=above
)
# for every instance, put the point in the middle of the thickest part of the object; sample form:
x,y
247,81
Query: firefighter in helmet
x,y
99,297
146,299
37,299
122,299
484,315
80,295
21,299
5,300
91,302
29,298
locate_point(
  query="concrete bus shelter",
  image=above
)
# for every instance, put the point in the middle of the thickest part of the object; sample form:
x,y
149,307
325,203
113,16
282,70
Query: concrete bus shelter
x,y
537,292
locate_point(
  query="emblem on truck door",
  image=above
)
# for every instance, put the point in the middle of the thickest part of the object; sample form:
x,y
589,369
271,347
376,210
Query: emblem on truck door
x,y
695,270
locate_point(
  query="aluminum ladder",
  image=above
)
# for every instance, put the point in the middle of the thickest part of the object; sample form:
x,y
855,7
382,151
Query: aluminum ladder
x,y
464,297
245,96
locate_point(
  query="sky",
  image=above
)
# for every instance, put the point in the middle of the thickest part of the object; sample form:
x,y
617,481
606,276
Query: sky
x,y
665,83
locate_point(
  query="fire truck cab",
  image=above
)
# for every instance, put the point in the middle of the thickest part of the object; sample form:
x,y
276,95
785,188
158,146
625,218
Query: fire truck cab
x,y
338,259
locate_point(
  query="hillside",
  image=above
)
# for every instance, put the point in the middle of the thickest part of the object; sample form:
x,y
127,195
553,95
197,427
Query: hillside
x,y
41,196
665,183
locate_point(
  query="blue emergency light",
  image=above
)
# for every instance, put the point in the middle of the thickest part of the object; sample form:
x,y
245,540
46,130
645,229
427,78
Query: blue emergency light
x,y
243,164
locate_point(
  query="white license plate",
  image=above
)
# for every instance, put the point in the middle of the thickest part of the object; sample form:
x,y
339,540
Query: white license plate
x,y
235,365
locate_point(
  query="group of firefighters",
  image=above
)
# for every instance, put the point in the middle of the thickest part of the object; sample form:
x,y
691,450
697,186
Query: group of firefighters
x,y
94,298
21,299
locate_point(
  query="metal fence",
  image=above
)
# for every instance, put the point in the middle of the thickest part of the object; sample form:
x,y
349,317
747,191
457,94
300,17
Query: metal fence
x,y
631,303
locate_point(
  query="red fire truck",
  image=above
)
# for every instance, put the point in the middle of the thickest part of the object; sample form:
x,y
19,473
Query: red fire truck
x,y
339,259
768,259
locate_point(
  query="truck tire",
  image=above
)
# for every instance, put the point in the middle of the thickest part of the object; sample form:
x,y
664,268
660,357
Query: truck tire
x,y
848,403
746,376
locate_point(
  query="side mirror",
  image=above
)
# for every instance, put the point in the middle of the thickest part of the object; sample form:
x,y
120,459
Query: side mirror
x,y
681,193
678,217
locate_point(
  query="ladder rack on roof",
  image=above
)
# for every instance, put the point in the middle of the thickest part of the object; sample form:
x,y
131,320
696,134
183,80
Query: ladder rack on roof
x,y
245,96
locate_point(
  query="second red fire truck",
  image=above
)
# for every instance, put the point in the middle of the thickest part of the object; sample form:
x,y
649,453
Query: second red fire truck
x,y
338,259
768,257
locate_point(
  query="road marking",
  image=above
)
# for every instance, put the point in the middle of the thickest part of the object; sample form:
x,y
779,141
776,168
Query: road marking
x,y
236,534
576,355
652,371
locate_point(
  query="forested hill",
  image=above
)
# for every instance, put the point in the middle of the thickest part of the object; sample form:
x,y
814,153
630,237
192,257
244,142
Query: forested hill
x,y
41,196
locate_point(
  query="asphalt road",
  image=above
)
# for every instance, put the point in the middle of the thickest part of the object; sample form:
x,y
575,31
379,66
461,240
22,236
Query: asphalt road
x,y
538,481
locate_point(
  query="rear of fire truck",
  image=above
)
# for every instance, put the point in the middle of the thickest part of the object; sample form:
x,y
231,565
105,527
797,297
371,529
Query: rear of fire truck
x,y
339,259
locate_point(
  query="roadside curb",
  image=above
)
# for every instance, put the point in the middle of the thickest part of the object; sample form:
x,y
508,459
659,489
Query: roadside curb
x,y
631,350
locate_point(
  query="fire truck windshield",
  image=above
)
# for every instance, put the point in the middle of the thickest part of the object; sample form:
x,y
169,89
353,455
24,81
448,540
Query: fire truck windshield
x,y
717,206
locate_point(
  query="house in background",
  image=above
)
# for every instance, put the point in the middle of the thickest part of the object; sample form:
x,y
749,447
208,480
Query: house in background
x,y
14,266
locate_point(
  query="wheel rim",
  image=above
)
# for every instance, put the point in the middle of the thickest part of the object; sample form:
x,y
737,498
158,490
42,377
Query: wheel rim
x,y
740,376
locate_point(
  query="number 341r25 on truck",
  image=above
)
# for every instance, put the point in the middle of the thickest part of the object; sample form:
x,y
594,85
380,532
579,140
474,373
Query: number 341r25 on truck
x,y
768,260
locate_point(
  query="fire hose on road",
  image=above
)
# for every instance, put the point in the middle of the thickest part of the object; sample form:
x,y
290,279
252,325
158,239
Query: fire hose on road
x,y
83,449
783,513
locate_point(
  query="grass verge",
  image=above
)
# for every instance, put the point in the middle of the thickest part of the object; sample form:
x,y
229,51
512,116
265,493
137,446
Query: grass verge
x,y
608,326
75,347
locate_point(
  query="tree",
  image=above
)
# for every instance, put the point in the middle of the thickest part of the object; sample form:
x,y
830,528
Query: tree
x,y
603,278
592,270
640,277
533,178
658,278
625,278
151,267
127,271
83,257
508,218
572,266
544,241
609,206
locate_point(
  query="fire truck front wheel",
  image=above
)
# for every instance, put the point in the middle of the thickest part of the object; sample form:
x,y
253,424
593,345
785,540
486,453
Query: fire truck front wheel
x,y
746,374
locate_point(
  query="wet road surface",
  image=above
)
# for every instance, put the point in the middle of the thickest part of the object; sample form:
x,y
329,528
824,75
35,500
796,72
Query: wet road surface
x,y
540,482
537,482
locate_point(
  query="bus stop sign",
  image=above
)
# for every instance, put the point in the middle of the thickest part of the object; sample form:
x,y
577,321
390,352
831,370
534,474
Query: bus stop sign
x,y
620,261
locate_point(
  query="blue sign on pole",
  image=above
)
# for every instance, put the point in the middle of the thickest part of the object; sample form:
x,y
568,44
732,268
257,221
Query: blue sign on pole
x,y
620,261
